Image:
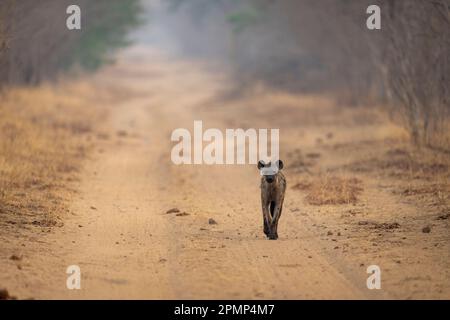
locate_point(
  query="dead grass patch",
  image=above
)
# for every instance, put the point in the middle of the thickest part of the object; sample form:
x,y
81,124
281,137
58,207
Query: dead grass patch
x,y
380,225
441,191
44,136
404,163
330,190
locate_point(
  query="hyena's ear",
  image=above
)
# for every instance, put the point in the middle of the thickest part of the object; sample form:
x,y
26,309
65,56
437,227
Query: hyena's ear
x,y
280,164
261,164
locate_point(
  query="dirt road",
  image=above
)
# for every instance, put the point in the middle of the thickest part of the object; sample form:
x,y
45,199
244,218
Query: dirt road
x,y
128,246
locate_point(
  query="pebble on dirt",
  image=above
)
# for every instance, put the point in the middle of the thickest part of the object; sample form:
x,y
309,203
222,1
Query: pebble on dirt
x,y
426,229
173,210
15,257
211,221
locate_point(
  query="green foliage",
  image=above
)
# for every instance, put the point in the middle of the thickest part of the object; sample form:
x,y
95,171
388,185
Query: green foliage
x,y
35,44
105,32
243,13
196,5
242,19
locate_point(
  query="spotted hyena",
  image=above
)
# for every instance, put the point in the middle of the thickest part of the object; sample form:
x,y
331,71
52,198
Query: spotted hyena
x,y
273,187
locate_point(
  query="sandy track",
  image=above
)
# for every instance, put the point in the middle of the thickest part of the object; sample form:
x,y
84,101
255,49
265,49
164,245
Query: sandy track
x,y
128,247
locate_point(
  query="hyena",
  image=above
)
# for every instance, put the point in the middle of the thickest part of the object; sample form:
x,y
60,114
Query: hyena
x,y
273,187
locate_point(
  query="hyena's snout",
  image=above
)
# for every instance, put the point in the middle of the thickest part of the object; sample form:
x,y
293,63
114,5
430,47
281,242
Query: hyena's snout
x,y
270,179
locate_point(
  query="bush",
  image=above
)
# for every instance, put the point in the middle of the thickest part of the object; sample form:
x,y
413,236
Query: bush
x,y
36,44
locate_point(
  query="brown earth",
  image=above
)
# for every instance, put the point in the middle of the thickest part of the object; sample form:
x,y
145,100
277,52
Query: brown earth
x,y
358,194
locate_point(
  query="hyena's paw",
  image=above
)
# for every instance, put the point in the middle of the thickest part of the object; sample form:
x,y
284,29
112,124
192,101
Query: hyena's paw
x,y
273,236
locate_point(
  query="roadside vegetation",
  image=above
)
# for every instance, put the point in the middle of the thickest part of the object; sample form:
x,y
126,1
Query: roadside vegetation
x,y
325,47
47,121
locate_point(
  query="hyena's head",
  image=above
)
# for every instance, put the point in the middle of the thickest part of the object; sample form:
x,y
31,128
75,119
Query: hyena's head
x,y
268,170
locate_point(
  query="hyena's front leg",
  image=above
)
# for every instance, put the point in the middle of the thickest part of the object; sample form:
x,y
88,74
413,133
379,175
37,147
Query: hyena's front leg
x,y
275,219
266,219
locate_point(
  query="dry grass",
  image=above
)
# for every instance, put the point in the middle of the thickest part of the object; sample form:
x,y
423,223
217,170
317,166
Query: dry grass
x,y
405,163
331,190
44,136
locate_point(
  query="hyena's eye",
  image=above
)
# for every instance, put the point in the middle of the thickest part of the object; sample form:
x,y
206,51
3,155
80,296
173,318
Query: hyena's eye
x,y
261,164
